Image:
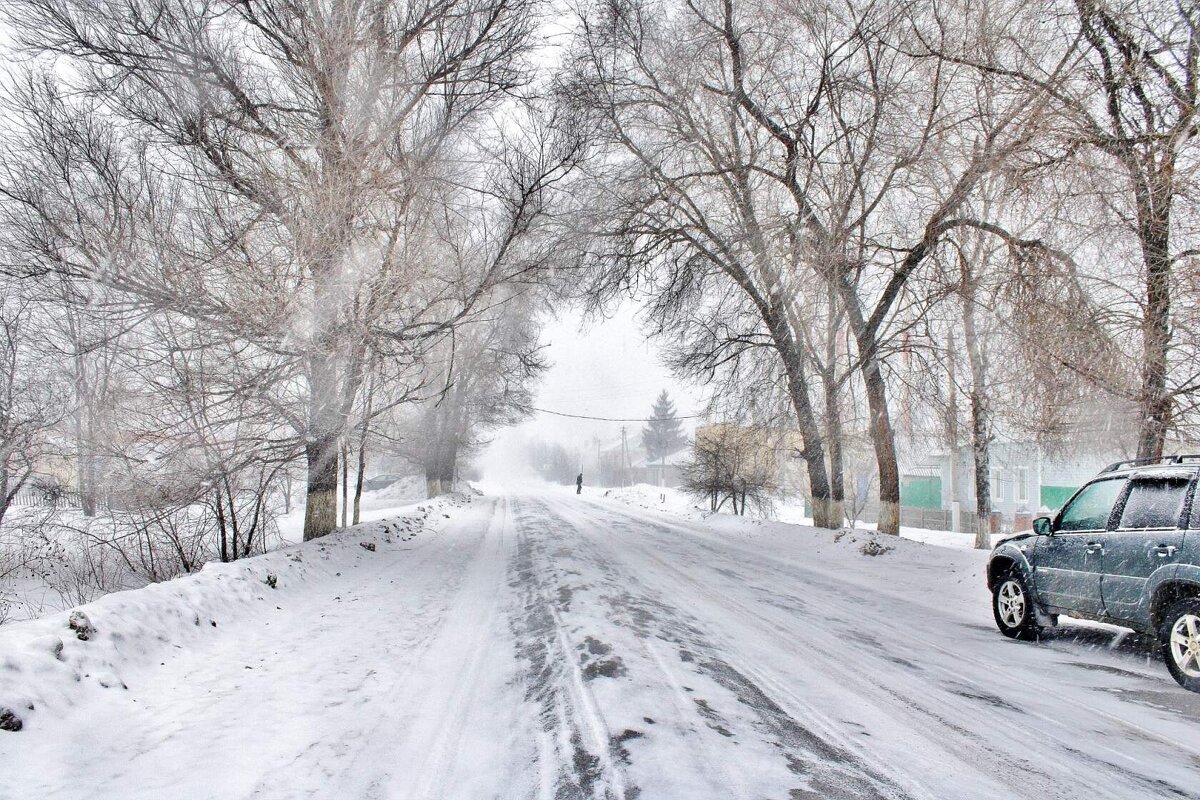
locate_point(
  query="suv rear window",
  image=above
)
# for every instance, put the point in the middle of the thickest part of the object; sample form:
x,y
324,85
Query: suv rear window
x,y
1154,503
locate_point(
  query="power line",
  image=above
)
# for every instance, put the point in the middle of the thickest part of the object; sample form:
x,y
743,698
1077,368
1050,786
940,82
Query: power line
x,y
603,419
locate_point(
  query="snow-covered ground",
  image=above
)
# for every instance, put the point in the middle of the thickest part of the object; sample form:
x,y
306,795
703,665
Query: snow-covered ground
x,y
540,644
377,505
63,568
791,510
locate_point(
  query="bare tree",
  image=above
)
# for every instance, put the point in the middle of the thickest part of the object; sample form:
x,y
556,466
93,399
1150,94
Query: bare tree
x,y
1129,106
29,403
682,202
788,161
484,380
306,161
735,464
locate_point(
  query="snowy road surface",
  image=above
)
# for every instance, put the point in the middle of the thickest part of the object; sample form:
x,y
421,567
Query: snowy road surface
x,y
542,645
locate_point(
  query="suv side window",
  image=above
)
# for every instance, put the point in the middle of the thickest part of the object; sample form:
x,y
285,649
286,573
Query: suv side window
x,y
1154,503
1091,508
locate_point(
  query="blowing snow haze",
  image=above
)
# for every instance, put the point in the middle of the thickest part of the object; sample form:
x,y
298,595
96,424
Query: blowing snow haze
x,y
657,399
600,369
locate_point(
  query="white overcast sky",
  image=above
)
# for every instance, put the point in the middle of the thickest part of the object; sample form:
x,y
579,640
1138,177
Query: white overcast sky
x,y
606,369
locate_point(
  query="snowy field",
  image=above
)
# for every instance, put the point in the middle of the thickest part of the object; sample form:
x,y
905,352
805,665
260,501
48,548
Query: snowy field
x,y
536,644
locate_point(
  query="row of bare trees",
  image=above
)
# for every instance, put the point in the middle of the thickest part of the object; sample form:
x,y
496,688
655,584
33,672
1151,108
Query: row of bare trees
x,y
266,231
269,231
814,196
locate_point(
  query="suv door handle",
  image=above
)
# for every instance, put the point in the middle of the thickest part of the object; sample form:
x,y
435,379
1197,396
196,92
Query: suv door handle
x,y
1164,550
1095,547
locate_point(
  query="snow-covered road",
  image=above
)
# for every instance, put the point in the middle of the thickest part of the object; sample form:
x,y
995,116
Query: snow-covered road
x,y
544,645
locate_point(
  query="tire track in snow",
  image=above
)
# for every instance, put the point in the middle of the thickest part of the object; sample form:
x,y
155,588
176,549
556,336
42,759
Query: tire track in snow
x,y
571,572
912,691
576,757
964,684
827,768
435,741
406,738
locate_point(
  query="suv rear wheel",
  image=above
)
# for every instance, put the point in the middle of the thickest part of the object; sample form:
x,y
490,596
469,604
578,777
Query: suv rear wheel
x,y
1180,640
1012,605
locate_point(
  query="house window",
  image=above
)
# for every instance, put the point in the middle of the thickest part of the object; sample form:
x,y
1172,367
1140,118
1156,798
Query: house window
x,y
1022,484
997,491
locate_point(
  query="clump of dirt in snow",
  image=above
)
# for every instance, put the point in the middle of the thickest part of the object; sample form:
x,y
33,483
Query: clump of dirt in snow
x,y
9,721
79,622
874,548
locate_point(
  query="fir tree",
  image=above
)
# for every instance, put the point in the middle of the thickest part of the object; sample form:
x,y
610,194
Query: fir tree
x,y
663,435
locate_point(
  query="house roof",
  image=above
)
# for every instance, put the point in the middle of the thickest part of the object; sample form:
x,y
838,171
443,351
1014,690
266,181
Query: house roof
x,y
676,459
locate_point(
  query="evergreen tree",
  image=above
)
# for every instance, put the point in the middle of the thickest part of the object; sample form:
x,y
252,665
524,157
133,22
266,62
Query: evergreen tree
x,y
663,435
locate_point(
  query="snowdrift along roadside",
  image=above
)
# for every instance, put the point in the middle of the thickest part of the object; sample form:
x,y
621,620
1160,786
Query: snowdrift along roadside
x,y
50,664
789,511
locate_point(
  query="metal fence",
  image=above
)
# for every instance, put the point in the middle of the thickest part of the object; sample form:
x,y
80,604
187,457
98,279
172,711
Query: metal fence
x,y
936,519
48,497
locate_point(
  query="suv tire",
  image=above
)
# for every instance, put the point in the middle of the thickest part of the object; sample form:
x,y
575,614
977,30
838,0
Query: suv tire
x,y
1012,606
1179,638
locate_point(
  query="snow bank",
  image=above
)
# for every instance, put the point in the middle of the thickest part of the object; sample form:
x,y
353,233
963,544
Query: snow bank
x,y
656,498
679,503
381,504
50,664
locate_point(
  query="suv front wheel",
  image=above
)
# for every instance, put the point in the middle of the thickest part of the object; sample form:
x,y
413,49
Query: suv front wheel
x,y
1180,638
1012,605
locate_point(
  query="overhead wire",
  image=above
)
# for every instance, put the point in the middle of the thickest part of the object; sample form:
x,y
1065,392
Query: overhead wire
x,y
606,419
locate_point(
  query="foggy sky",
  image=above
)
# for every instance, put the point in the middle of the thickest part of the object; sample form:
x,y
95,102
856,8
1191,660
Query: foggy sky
x,y
604,370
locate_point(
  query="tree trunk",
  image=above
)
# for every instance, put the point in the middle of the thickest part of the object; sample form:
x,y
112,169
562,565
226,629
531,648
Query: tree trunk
x,y
320,512
83,445
810,432
222,533
90,498
981,437
364,432
833,411
440,468
326,422
358,481
1155,401
981,450
345,485
883,436
4,501
884,439
952,434
233,520
450,466
833,441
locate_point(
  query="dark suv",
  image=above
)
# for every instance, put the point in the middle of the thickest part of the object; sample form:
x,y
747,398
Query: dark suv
x,y
1125,549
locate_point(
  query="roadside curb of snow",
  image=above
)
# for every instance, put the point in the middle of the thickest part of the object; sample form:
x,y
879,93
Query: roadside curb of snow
x,y
52,664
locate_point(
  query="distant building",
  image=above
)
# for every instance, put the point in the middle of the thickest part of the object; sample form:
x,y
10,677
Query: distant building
x,y
1026,478
1025,482
618,463
1023,478
663,472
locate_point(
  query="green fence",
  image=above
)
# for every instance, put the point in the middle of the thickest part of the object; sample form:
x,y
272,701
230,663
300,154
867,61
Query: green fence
x,y
1055,496
921,491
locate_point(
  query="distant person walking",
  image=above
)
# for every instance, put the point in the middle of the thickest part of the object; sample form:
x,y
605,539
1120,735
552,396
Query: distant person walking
x,y
579,484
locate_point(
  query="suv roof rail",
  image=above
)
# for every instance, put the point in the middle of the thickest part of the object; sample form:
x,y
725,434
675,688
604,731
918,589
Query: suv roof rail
x,y
1141,462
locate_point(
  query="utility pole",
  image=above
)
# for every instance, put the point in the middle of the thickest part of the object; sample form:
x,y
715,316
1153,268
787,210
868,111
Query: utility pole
x,y
624,456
